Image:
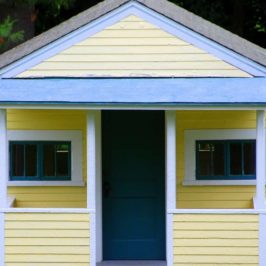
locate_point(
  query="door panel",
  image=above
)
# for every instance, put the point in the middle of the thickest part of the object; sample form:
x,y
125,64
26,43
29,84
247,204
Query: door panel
x,y
134,185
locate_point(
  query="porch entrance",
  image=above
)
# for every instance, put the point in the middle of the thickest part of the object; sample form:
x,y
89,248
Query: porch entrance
x,y
133,185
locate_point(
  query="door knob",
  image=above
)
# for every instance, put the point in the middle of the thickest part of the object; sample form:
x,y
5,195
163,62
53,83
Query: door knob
x,y
106,189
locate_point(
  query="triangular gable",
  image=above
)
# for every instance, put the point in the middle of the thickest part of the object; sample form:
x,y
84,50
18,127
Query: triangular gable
x,y
133,41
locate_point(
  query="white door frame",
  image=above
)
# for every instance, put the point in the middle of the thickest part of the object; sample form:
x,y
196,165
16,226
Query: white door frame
x,y
94,187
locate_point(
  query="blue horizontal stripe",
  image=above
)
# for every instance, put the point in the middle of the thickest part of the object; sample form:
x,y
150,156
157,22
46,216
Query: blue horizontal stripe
x,y
136,91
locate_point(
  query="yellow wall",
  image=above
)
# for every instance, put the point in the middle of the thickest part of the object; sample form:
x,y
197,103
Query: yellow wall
x,y
46,239
133,47
53,197
208,239
211,196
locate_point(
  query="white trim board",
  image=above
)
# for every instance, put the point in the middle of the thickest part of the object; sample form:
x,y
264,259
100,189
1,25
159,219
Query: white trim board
x,y
133,8
74,136
190,137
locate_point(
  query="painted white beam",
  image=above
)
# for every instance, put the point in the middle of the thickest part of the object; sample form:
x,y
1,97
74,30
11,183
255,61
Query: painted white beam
x,y
93,184
170,118
170,129
3,159
3,180
259,200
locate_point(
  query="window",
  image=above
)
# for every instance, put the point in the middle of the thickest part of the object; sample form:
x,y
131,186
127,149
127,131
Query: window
x,y
40,160
225,159
45,158
221,152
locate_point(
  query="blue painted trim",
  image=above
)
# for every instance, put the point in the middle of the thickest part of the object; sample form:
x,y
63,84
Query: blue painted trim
x,y
151,16
118,92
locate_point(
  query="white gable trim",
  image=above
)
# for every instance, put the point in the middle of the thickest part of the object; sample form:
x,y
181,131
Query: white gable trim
x,y
133,8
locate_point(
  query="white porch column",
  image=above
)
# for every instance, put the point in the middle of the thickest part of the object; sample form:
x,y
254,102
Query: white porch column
x,y
3,179
259,201
94,187
170,121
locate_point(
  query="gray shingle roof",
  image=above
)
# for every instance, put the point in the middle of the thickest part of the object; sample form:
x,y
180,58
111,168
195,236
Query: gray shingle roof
x,y
163,7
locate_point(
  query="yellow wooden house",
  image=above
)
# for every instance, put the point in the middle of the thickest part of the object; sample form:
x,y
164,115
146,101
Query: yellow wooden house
x,y
133,134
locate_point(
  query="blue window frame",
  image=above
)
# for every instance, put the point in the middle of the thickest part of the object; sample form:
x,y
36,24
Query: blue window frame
x,y
40,160
225,159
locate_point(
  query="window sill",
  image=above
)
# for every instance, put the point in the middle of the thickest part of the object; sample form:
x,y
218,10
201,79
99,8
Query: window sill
x,y
45,183
219,182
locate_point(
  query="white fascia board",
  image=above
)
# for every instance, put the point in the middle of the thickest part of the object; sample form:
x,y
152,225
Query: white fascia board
x,y
133,8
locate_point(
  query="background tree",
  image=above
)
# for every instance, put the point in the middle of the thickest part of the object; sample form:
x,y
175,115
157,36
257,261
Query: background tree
x,y
22,19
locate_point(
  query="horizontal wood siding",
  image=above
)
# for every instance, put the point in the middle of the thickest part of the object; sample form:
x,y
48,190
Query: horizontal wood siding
x,y
214,197
209,239
49,197
134,47
47,239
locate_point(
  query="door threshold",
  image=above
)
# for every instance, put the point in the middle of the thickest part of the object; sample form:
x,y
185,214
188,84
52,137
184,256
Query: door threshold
x,y
132,263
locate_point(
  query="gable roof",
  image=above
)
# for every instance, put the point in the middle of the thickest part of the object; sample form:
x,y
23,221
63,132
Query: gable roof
x,y
165,8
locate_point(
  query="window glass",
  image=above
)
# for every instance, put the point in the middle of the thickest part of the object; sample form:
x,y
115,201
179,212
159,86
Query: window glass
x,y
62,159
18,160
236,158
249,153
48,160
211,159
31,160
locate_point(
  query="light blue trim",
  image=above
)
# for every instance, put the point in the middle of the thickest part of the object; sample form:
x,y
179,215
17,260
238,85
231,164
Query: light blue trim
x,y
133,8
135,91
262,239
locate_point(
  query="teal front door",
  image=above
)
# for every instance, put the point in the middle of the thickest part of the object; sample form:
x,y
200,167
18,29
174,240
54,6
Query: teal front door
x,y
133,185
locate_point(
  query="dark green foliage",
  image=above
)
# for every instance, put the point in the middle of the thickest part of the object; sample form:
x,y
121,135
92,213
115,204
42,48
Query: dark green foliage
x,y
7,33
246,18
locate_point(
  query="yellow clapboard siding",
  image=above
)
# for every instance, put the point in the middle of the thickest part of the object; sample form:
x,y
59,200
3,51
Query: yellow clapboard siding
x,y
47,241
212,239
251,251
45,264
47,258
214,242
128,58
220,260
77,250
188,234
134,65
133,41
131,47
213,204
132,73
52,238
47,217
213,197
54,233
216,218
45,225
213,226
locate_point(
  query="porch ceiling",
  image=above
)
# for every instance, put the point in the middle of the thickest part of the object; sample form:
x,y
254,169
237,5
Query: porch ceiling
x,y
135,91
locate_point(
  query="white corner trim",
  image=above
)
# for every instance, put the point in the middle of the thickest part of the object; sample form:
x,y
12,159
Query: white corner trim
x,y
190,138
74,136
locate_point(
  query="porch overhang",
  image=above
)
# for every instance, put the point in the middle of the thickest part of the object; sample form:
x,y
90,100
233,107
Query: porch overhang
x,y
119,92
